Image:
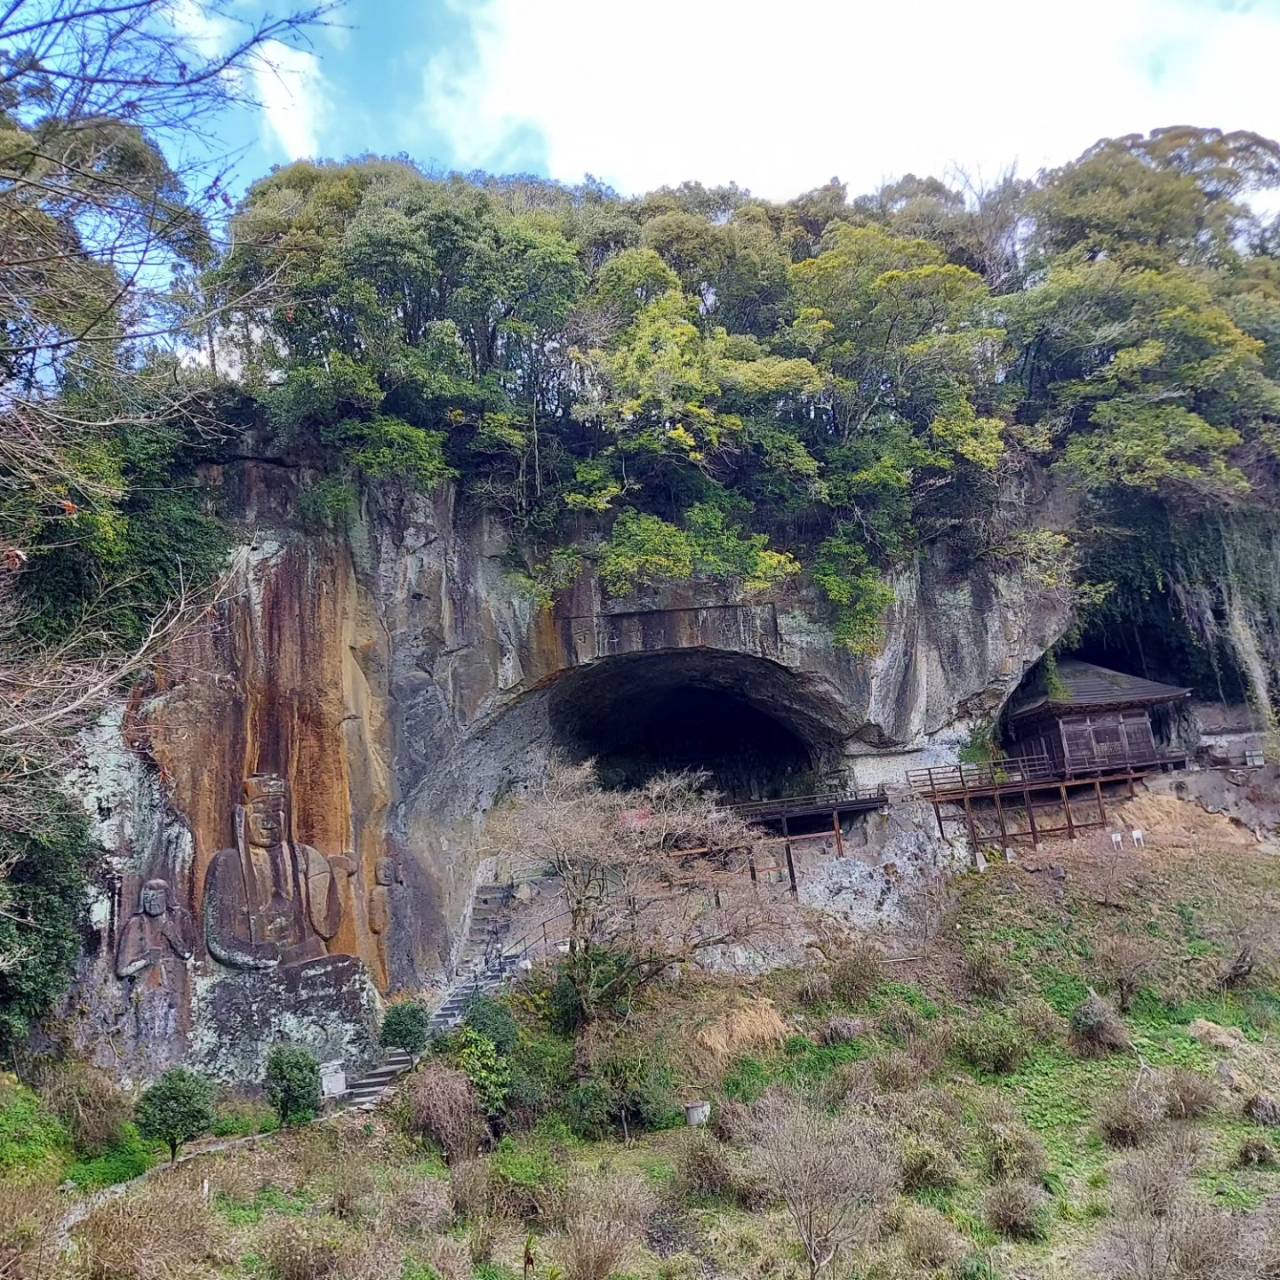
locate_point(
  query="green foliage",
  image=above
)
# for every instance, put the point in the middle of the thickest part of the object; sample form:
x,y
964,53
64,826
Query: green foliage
x,y
177,1108
405,1025
843,571
493,1020
29,1135
476,1056
129,1158
42,904
293,1084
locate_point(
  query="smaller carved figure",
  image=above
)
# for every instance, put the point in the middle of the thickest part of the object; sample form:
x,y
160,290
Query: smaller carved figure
x,y
158,929
386,876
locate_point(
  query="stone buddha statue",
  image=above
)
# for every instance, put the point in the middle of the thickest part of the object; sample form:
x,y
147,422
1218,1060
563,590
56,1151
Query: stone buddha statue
x,y
271,901
157,930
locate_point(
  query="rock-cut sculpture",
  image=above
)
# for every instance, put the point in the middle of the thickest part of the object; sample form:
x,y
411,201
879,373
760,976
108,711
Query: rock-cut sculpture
x,y
158,929
271,901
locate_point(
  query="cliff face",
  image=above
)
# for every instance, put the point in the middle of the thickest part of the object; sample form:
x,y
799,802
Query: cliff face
x,y
306,770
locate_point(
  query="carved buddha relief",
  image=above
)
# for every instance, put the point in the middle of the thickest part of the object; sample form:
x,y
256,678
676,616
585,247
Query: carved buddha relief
x,y
155,934
271,901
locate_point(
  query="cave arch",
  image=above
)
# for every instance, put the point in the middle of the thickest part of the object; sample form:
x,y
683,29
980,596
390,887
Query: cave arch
x,y
751,723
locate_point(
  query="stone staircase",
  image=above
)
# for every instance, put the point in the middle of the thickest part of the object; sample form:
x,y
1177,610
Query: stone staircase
x,y
483,968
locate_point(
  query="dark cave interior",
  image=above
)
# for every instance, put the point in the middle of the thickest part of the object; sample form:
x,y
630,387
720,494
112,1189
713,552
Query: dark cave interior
x,y
743,720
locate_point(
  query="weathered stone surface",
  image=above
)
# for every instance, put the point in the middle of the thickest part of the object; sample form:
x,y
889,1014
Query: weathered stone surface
x,y
397,681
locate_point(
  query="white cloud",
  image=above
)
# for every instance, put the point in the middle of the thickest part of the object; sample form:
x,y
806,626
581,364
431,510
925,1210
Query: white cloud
x,y
294,97
779,97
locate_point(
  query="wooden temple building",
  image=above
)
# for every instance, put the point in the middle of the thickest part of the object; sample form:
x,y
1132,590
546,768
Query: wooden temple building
x,y
1090,718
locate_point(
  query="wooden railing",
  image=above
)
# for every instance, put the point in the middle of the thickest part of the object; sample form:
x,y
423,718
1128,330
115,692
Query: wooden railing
x,y
850,797
960,778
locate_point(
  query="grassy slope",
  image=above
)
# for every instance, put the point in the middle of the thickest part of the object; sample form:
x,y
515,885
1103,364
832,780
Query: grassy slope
x,y
351,1187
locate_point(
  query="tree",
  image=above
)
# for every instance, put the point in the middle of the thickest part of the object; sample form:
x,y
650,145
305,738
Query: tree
x,y
293,1084
651,877
835,1174
177,1108
405,1025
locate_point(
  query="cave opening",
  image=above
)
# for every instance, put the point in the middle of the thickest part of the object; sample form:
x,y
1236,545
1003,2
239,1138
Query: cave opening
x,y
746,721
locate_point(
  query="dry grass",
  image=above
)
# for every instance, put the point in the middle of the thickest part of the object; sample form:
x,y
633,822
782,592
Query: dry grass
x,y
89,1104
301,1249
604,1219
439,1105
29,1212
160,1232
929,1242
1017,1209
747,1028
1132,1115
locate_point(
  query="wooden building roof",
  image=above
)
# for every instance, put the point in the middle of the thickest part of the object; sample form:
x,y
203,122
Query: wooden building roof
x,y
1082,686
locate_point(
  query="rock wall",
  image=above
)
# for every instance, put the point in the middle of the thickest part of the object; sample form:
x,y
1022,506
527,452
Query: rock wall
x,y
289,808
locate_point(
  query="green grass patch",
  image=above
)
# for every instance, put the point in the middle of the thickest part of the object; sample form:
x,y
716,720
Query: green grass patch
x,y
130,1158
269,1200
29,1136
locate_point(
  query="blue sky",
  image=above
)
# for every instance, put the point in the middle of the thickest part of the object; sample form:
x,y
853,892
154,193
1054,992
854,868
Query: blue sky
x,y
777,96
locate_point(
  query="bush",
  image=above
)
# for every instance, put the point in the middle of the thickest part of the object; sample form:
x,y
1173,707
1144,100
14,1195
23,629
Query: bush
x,y
987,971
1125,964
992,1044
487,1070
541,1071
896,1071
927,1164
293,1084
177,1108
1018,1210
837,1031
1039,1019
1153,1183
1007,1148
405,1025
29,1135
440,1106
929,1241
1131,1116
604,1218
1190,1243
703,1170
524,1175
732,1122
1263,1109
814,988
1256,1153
857,972
1188,1095
1096,1028
492,1019
471,1191
89,1105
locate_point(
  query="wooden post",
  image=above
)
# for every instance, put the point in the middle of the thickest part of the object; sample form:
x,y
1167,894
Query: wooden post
x,y
835,822
1066,804
1031,817
791,865
1102,809
937,813
968,821
1004,832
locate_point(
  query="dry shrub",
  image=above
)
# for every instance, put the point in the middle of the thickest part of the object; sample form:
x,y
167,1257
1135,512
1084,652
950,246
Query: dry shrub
x,y
28,1213
703,1169
300,1249
604,1218
900,1022
1125,964
1191,1242
927,1164
351,1191
1039,1019
1263,1109
896,1071
1188,1094
987,971
155,1232
447,1259
851,1085
417,1205
1131,1116
743,1030
1256,1153
440,1106
1154,1183
1007,1147
814,988
929,1241
839,1030
89,1104
732,1122
1096,1028
1016,1209
857,971
471,1191
834,1174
